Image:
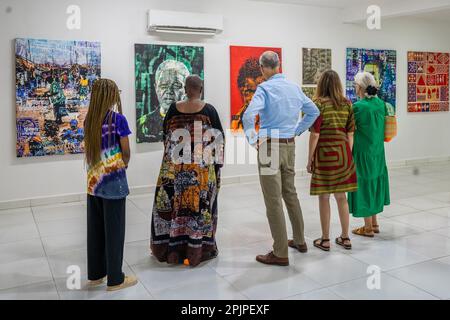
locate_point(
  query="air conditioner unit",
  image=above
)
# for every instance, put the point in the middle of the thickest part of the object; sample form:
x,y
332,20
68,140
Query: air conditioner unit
x,y
184,22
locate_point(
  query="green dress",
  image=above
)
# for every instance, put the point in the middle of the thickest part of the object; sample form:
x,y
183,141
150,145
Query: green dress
x,y
368,153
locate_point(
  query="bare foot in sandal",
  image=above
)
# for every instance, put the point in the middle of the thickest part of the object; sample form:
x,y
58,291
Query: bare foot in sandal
x,y
364,232
344,242
322,244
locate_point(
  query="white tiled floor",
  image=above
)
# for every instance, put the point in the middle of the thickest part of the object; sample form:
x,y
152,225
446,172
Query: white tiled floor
x,y
413,250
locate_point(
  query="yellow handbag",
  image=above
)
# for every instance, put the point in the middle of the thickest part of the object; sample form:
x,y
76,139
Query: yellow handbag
x,y
390,125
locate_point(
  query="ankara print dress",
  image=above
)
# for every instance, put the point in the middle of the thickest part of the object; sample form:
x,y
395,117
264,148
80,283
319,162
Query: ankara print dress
x,y
333,168
184,216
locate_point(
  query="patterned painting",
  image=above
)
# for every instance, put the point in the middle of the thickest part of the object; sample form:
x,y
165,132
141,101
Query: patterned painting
x,y
381,63
160,74
428,83
315,62
245,76
309,91
53,86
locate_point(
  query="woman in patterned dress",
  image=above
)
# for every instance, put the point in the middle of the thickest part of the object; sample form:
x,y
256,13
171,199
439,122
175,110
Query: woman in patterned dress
x,y
184,217
330,156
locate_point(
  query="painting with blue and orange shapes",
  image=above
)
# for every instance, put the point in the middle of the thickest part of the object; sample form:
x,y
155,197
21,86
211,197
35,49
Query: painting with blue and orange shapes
x,y
53,86
381,63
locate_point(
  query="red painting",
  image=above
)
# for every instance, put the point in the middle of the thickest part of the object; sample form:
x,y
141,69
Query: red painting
x,y
428,81
245,76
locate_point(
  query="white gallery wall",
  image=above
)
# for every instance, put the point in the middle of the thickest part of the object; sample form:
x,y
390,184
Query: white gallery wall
x,y
119,24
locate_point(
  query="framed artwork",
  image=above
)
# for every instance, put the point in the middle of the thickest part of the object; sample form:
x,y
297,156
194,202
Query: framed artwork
x,y
245,76
315,62
428,83
381,63
160,74
53,85
309,91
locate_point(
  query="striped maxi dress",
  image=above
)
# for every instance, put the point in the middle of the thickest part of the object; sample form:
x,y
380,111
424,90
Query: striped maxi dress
x,y
333,169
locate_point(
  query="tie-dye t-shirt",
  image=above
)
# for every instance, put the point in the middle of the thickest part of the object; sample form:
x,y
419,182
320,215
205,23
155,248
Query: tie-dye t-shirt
x,y
107,179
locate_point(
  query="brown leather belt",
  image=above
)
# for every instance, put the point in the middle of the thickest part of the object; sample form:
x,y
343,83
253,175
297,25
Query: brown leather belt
x,y
281,140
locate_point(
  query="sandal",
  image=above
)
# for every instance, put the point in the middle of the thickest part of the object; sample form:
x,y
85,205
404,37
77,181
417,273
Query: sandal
x,y
376,228
341,241
363,232
318,243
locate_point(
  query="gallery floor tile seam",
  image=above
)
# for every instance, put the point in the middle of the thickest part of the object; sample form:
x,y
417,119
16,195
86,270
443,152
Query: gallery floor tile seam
x,y
205,265
46,255
445,228
56,235
417,263
435,214
412,284
53,271
233,286
412,248
136,207
386,270
132,268
407,224
343,252
323,288
320,286
33,284
365,277
235,289
419,211
388,238
139,281
20,240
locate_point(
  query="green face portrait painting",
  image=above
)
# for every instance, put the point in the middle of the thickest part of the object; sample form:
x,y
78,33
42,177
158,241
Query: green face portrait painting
x,y
160,74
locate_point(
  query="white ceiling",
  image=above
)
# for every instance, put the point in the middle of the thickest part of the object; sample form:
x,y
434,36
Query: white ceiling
x,y
437,10
441,15
342,4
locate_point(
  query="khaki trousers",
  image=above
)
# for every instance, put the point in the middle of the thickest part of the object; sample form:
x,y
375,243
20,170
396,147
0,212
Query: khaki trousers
x,y
276,164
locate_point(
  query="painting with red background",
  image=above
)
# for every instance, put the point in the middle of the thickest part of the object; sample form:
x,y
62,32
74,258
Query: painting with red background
x,y
247,59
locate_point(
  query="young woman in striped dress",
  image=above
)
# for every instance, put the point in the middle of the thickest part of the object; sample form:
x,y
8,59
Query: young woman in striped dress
x,y
330,156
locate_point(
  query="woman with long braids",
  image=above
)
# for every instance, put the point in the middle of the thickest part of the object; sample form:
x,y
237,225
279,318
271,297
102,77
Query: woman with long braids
x,y
107,156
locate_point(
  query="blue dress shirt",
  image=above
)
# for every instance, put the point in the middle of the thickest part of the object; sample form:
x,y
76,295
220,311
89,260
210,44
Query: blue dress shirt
x,y
279,104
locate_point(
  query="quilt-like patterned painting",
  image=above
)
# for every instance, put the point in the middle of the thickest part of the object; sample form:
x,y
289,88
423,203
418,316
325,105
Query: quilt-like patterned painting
x,y
381,63
428,86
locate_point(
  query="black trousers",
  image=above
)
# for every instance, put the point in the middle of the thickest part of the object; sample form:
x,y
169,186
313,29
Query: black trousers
x,y
105,239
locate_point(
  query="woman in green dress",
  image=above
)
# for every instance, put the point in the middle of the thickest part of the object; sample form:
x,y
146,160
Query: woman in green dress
x,y
369,156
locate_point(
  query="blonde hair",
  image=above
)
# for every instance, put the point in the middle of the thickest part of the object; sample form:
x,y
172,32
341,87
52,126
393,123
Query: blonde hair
x,y
105,95
368,84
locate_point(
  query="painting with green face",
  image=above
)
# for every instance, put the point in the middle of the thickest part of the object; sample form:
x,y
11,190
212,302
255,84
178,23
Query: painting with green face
x,y
160,73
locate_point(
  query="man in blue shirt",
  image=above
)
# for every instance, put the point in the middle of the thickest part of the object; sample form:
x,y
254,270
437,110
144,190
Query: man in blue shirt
x,y
279,104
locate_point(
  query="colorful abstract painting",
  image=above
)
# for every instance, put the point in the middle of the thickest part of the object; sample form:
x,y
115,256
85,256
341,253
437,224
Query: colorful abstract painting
x,y
245,76
315,62
381,63
160,74
428,83
53,86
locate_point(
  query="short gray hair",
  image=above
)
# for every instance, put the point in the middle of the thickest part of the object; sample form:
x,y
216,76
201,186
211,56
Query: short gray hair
x,y
367,82
365,79
269,59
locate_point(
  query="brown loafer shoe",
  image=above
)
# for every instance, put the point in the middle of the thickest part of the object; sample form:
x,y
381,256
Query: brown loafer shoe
x,y
303,248
272,259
